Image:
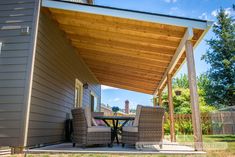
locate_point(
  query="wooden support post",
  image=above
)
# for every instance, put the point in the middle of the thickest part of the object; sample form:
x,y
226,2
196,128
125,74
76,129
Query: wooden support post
x,y
160,97
17,150
160,104
171,108
196,118
155,100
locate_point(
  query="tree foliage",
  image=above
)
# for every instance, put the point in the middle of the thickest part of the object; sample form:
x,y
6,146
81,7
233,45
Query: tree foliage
x,y
221,57
181,82
182,102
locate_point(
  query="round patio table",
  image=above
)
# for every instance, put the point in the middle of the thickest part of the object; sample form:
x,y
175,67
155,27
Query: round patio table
x,y
115,120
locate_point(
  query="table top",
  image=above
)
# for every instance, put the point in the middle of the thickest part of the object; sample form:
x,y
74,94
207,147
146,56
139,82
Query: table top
x,y
115,117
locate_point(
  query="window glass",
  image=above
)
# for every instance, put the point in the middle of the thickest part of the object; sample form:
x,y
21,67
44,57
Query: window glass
x,y
94,103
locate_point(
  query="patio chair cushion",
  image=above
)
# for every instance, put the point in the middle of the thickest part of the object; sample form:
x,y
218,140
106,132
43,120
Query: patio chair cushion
x,y
130,128
88,115
137,116
99,129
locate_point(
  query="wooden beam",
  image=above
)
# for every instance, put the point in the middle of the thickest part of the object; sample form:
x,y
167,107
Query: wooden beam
x,y
123,86
124,81
177,68
197,37
196,118
171,108
187,36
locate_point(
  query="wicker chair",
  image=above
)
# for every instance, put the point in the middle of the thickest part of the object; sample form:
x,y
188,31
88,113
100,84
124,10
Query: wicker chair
x,y
85,134
148,127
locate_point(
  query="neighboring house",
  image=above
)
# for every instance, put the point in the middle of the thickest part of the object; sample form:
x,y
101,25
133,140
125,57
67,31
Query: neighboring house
x,y
54,56
108,111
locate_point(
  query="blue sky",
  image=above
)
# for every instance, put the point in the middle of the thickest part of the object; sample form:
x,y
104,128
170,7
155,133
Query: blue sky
x,y
200,9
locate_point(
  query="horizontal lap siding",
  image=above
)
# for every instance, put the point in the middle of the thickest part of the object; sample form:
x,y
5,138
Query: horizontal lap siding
x,y
55,70
14,14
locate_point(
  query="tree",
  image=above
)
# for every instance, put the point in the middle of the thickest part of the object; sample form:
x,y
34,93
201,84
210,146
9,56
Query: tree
x,y
221,57
182,102
204,86
181,82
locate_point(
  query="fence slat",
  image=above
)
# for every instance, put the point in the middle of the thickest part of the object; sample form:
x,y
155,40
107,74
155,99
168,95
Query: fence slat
x,y
222,122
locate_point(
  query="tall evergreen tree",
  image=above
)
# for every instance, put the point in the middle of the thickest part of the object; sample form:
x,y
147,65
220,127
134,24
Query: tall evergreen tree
x,y
221,57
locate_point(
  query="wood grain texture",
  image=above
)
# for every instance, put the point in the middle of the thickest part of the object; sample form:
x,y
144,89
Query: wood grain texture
x,y
197,130
171,108
108,44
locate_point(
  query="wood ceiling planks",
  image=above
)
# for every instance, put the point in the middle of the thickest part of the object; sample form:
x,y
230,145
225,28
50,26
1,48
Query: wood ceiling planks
x,y
123,53
83,48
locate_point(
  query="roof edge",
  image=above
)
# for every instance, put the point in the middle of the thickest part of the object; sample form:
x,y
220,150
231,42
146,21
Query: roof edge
x,y
129,14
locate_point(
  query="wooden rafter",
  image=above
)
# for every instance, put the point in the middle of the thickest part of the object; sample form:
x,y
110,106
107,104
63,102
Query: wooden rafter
x,y
132,53
187,36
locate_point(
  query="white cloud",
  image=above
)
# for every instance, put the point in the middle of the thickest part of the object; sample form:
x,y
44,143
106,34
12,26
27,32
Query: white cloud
x,y
203,16
176,11
228,11
214,13
170,1
103,87
116,99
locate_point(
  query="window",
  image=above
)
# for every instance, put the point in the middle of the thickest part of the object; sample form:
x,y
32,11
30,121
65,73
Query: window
x,y
94,102
78,93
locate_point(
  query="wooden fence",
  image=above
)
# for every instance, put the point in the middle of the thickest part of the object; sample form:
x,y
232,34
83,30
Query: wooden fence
x,y
212,123
223,122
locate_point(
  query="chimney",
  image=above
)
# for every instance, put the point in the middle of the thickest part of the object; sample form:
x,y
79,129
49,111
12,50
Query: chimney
x,y
127,107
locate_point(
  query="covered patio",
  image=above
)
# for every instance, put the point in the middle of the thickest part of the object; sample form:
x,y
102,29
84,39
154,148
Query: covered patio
x,y
169,148
133,50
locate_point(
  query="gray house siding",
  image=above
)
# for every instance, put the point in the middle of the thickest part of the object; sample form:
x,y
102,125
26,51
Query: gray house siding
x,y
16,58
56,67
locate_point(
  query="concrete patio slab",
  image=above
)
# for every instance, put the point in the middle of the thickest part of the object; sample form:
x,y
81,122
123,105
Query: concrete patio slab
x,y
168,148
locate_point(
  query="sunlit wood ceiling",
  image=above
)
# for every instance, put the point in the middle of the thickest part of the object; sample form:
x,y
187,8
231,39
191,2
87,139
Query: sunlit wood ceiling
x,y
123,53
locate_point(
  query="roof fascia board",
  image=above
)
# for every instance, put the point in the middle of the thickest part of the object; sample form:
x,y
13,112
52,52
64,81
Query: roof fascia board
x,y
155,18
178,53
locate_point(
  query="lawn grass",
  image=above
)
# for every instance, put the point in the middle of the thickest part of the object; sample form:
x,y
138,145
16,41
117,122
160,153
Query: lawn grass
x,y
224,140
216,145
4,148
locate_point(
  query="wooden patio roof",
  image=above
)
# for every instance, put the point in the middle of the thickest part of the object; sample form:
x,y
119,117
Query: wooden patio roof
x,y
124,48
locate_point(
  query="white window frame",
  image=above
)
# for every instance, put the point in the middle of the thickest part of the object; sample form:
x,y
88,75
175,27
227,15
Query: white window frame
x,y
78,85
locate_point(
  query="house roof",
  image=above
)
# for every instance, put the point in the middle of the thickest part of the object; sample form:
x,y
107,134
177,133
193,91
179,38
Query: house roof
x,y
124,48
